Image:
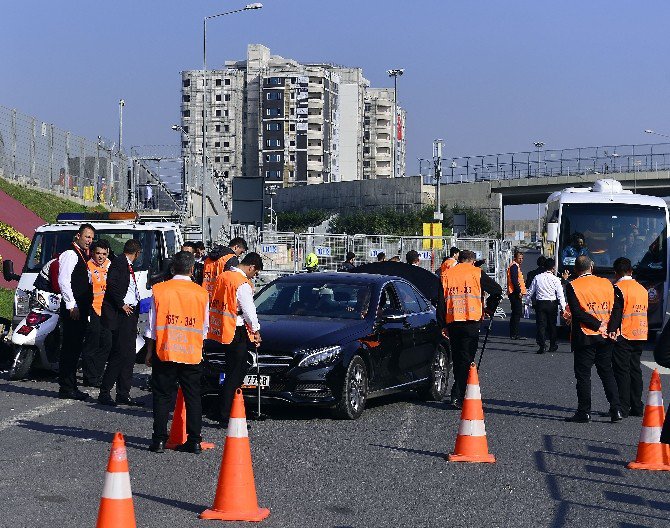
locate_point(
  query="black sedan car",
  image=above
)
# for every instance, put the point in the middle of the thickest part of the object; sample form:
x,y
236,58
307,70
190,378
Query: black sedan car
x,y
337,339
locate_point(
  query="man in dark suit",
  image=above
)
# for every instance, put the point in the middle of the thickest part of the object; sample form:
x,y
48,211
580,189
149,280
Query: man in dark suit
x,y
120,310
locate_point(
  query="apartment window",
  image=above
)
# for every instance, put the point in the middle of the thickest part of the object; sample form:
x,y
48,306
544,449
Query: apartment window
x,y
273,112
366,150
226,128
314,158
273,143
218,82
217,159
218,97
217,144
225,113
273,174
270,158
314,143
367,107
217,128
292,157
274,81
274,96
186,83
294,80
186,113
227,82
292,95
291,128
185,129
225,174
366,164
273,126
218,113
226,159
292,143
186,98
292,111
184,144
226,144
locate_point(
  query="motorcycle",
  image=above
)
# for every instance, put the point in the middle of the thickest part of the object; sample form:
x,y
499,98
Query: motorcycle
x,y
37,338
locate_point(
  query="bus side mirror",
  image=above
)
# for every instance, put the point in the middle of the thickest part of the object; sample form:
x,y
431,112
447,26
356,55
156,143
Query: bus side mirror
x,y
8,271
552,232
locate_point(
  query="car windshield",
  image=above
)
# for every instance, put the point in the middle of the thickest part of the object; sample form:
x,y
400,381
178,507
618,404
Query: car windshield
x,y
315,299
47,244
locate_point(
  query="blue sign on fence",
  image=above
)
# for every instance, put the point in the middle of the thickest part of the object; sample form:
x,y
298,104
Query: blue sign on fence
x,y
322,251
270,248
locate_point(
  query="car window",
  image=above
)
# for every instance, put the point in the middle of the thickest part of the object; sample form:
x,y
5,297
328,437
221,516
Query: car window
x,y
408,298
388,300
170,243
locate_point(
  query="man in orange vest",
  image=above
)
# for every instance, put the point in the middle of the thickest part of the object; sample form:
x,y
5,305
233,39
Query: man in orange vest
x,y
450,261
516,289
176,328
233,325
628,328
219,260
98,340
590,300
463,286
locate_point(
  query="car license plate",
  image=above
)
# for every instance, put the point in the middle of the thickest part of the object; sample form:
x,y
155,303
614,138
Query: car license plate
x,y
252,381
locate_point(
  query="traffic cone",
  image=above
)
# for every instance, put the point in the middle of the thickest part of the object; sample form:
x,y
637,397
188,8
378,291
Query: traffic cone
x,y
236,492
471,444
178,428
651,453
116,505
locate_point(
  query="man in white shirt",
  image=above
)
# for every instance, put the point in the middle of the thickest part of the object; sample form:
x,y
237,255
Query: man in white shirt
x,y
547,292
77,297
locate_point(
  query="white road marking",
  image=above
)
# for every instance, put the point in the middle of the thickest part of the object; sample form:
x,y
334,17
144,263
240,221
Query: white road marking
x,y
652,366
42,410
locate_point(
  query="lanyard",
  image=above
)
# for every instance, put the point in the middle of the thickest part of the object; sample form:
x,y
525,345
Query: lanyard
x,y
132,273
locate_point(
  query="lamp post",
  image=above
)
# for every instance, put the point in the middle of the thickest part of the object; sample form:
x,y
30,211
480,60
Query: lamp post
x,y
122,103
437,161
248,7
538,146
271,191
395,73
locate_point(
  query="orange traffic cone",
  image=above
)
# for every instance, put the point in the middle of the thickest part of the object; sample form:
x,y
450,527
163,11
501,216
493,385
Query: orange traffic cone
x,y
178,428
651,453
116,505
471,444
236,492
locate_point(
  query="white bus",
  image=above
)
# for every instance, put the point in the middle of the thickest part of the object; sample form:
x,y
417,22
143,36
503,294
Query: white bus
x,y
605,222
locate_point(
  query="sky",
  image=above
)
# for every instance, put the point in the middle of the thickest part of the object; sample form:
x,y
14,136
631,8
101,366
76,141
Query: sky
x,y
486,76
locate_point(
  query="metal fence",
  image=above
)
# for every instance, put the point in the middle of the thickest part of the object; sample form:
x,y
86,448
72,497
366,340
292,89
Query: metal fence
x,y
36,153
566,162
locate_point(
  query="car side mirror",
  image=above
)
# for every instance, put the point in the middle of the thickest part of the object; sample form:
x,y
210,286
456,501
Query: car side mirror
x,y
552,232
8,271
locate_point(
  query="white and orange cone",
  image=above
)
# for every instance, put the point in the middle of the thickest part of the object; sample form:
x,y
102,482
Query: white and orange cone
x,y
471,443
178,428
651,453
116,505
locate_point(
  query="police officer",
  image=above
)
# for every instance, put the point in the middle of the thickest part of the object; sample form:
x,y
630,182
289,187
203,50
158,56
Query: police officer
x,y
590,300
176,328
233,325
516,289
463,286
628,329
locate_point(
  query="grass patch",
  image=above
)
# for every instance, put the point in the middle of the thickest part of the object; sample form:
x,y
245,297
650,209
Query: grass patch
x,y
6,302
44,205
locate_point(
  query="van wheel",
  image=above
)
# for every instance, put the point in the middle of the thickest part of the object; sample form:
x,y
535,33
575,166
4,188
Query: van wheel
x,y
354,390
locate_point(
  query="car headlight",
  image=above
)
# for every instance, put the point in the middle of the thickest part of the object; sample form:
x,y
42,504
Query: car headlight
x,y
320,356
21,303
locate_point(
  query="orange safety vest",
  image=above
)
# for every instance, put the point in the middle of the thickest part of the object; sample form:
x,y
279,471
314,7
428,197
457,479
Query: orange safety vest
x,y
522,284
99,282
180,320
462,286
635,308
595,296
223,306
447,264
211,269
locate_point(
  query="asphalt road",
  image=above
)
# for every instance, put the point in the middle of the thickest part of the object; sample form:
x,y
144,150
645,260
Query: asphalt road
x,y
385,469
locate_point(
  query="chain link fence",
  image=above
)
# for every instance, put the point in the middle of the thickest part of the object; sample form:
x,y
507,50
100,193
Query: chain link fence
x,y
38,154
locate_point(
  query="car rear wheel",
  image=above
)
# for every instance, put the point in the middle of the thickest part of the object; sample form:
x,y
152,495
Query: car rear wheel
x,y
354,390
439,377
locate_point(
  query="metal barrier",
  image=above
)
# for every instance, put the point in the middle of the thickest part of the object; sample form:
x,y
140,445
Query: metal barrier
x,y
367,247
431,249
330,249
279,251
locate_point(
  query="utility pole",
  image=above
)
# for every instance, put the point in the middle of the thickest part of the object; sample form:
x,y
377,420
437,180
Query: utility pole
x,y
395,73
437,163
538,146
122,103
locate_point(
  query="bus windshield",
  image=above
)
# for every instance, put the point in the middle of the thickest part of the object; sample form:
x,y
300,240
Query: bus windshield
x,y
605,232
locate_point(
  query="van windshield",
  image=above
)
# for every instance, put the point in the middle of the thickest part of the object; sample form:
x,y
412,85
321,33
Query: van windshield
x,y
48,244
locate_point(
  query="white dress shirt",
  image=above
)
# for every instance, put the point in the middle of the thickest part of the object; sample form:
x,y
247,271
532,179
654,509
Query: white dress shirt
x,y
66,263
245,302
150,330
132,296
547,287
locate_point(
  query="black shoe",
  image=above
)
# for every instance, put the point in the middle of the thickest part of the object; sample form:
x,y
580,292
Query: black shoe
x,y
553,348
540,350
73,395
105,399
189,447
157,447
130,402
579,417
616,416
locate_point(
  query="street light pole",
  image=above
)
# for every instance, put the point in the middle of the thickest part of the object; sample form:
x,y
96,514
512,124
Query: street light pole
x,y
395,73
248,7
122,103
538,146
437,161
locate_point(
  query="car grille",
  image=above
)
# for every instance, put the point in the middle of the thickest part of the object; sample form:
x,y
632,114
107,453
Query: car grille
x,y
313,390
274,364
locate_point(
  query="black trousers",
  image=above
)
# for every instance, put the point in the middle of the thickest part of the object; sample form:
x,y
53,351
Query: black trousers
x,y
546,313
515,316
72,345
119,369
164,378
628,374
97,345
236,368
585,356
464,340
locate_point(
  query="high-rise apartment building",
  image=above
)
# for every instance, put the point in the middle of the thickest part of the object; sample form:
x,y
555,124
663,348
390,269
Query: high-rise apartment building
x,y
290,123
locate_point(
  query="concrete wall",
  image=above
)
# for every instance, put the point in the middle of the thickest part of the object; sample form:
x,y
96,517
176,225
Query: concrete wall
x,y
476,195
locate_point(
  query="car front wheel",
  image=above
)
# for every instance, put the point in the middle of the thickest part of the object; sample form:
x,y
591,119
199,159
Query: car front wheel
x,y
354,390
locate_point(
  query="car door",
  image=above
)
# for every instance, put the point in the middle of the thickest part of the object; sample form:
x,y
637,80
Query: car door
x,y
421,321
